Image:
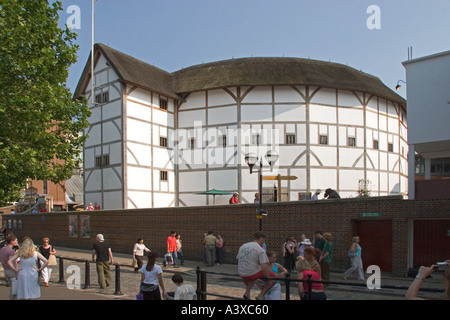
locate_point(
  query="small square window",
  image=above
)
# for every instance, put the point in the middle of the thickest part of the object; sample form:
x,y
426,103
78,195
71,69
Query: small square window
x,y
192,143
105,159
375,144
256,139
323,139
391,147
163,104
222,141
290,138
98,161
163,141
163,175
351,142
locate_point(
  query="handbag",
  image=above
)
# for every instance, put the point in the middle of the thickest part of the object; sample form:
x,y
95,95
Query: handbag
x,y
134,264
51,261
148,287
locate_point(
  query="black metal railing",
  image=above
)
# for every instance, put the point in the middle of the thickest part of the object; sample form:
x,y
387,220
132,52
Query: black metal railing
x,y
202,292
87,273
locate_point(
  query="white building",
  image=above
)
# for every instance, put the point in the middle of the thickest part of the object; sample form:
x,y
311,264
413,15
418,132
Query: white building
x,y
158,138
428,91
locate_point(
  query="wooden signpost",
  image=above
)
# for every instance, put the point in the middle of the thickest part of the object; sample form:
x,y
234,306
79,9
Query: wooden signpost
x,y
279,178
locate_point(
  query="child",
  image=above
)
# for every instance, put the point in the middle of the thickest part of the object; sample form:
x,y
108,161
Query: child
x,y
183,291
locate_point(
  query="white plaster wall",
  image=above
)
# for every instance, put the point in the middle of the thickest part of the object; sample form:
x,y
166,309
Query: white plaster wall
x,y
94,136
222,115
93,181
138,131
112,131
139,199
223,179
112,200
290,113
194,100
138,95
138,111
324,97
112,109
139,154
256,113
322,114
258,95
287,94
219,97
187,119
139,178
194,181
112,178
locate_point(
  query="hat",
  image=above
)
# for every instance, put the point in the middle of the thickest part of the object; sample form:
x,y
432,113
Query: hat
x,y
100,237
307,241
318,191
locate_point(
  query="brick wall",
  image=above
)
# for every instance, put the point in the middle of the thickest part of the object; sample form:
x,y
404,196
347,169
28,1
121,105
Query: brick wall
x,y
236,223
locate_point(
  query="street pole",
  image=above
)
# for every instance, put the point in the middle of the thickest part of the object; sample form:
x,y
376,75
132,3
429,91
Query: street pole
x,y
92,54
259,216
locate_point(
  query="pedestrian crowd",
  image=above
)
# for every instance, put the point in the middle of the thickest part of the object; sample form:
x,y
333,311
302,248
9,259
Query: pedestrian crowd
x,y
25,264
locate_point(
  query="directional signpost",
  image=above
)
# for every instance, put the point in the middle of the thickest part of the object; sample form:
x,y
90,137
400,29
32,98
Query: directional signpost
x,y
279,178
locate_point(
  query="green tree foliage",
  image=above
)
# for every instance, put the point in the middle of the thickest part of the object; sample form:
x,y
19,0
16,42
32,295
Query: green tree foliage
x,y
40,124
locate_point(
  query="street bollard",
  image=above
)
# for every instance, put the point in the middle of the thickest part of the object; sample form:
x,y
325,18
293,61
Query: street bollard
x,y
117,292
87,275
61,270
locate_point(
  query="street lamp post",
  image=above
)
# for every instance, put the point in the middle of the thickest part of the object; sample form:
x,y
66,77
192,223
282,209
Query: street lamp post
x,y
251,159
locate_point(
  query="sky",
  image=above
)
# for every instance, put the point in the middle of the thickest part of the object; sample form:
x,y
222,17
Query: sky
x,y
369,35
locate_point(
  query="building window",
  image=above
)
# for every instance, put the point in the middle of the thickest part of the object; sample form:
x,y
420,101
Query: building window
x,y
290,138
390,147
375,144
102,98
102,161
163,175
192,143
163,141
222,142
323,139
163,104
256,139
351,142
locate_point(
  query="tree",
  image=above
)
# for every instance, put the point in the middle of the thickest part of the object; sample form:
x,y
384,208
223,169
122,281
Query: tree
x,y
40,124
364,187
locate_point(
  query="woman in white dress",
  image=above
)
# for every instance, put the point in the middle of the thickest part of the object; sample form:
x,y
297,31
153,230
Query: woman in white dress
x,y
27,272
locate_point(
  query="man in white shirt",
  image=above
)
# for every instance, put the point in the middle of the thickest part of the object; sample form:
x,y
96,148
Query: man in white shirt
x,y
253,264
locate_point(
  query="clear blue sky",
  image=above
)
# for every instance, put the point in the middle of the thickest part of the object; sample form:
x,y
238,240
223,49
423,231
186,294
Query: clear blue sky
x,y
174,34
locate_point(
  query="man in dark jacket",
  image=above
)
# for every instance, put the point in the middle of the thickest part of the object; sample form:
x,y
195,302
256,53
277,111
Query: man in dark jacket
x,y
331,194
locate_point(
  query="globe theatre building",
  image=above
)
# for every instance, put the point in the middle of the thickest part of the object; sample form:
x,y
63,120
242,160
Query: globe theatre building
x,y
157,139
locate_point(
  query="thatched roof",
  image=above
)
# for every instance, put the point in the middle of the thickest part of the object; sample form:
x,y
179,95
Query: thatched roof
x,y
244,72
129,70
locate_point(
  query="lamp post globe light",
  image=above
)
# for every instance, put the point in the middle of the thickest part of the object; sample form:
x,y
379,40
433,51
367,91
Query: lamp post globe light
x,y
251,159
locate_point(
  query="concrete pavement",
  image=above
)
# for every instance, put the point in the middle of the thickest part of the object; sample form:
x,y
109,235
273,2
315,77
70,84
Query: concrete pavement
x,y
223,281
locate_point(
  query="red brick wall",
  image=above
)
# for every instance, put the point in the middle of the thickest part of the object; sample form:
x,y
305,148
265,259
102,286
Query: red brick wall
x,y
237,223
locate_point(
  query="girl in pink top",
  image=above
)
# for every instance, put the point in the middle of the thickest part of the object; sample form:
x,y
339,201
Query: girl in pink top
x,y
304,270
